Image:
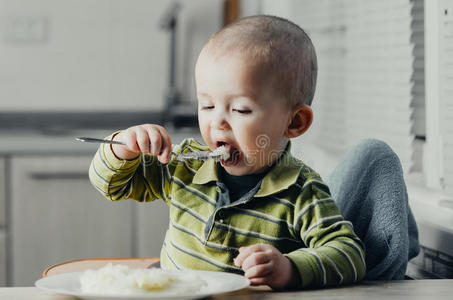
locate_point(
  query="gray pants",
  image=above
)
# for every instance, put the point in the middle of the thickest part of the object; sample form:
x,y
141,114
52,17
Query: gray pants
x,y
369,188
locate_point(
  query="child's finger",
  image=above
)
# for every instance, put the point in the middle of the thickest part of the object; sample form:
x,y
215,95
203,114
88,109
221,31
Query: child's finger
x,y
245,252
155,140
166,149
131,141
259,271
254,259
143,141
259,281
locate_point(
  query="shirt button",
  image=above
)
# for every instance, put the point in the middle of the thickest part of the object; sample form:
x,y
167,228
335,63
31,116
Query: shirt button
x,y
221,220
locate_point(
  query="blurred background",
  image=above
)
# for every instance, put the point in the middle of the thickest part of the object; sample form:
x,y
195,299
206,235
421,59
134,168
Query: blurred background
x,y
73,68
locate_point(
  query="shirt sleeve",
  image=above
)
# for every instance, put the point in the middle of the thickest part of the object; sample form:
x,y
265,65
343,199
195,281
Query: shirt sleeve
x,y
333,255
143,179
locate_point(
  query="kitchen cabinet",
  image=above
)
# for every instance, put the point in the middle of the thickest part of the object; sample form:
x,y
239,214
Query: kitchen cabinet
x,y
54,214
152,224
2,192
57,215
3,268
3,256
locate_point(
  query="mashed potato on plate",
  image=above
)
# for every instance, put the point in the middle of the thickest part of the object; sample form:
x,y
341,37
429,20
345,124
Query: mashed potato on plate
x,y
121,280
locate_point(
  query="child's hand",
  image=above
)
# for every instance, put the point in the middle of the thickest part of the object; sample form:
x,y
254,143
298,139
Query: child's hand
x,y
148,138
264,264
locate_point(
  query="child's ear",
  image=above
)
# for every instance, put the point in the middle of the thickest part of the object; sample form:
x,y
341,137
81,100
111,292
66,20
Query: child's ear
x,y
302,117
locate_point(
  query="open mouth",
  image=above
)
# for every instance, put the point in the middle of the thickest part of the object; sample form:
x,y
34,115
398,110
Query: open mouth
x,y
233,151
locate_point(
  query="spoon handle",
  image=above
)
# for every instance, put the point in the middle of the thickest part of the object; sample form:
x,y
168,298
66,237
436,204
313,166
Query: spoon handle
x,y
94,140
202,155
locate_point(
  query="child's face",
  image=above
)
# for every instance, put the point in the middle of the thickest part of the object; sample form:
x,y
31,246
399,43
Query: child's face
x,y
237,107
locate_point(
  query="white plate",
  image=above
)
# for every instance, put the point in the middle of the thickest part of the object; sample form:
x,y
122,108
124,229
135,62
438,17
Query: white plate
x,y
216,283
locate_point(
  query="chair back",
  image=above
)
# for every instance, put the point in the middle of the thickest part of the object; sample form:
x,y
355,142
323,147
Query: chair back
x,y
80,265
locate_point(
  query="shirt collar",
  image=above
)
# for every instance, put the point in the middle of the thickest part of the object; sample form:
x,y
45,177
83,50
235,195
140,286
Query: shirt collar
x,y
282,175
207,172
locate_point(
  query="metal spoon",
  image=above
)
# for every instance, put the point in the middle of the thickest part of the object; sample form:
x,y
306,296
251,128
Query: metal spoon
x,y
201,155
94,140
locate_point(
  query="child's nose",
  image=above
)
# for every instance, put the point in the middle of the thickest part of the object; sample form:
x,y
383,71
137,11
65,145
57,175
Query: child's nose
x,y
219,121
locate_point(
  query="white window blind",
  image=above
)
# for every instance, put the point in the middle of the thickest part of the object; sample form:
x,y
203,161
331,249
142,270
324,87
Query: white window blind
x,y
325,22
366,72
446,93
418,76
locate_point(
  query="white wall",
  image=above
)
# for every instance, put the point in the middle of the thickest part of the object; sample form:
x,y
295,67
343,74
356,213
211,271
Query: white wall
x,y
250,7
96,55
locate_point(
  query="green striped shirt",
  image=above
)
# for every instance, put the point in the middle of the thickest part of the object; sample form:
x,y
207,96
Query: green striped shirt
x,y
292,210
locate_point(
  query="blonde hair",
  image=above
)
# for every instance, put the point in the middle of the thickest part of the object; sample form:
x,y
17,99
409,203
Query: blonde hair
x,y
278,45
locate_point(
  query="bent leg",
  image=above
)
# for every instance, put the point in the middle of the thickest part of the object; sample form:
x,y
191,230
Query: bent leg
x,y
369,189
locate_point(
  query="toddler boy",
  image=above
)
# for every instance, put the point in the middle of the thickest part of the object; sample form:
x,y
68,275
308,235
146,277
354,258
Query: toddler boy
x,y
261,212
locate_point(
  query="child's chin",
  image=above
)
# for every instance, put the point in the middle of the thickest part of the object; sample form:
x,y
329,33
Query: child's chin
x,y
235,170
228,163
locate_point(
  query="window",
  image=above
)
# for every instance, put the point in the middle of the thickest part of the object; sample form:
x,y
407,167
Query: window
x,y
372,80
439,94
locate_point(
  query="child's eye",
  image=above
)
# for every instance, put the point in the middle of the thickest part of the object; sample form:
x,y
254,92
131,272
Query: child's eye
x,y
242,111
207,107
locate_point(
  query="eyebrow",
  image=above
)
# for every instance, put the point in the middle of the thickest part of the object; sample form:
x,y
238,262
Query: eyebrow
x,y
250,96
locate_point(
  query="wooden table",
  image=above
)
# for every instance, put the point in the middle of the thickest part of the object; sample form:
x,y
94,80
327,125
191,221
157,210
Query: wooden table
x,y
406,289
